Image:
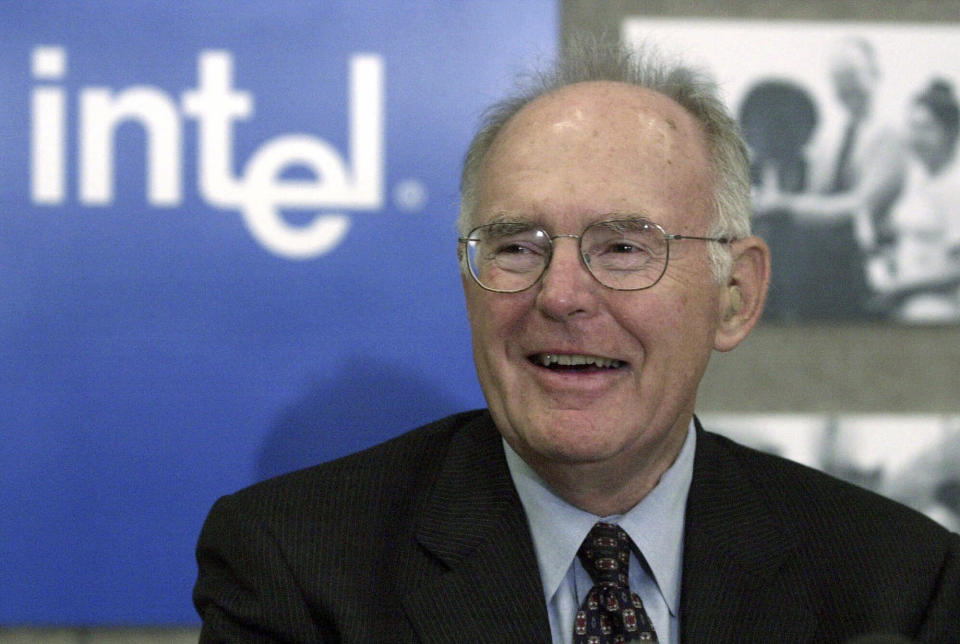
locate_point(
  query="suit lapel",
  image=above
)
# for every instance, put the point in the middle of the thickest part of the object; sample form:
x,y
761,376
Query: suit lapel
x,y
739,580
489,590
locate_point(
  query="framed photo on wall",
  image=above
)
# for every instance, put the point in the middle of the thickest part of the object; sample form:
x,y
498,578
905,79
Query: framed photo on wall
x,y
852,131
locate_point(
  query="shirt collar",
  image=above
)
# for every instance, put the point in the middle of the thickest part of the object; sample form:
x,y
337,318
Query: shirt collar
x,y
655,524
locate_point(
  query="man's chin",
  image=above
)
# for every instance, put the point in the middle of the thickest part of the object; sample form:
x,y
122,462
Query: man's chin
x,y
559,443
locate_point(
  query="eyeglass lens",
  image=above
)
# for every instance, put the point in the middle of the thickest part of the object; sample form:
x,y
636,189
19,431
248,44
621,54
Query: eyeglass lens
x,y
627,254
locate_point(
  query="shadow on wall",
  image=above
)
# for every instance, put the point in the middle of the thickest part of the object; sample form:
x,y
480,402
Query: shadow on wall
x,y
364,404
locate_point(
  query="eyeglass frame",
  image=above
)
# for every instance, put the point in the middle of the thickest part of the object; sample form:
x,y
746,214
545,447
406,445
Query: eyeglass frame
x,y
667,237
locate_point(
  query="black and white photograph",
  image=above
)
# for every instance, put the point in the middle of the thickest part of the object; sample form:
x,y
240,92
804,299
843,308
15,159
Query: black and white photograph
x,y
852,130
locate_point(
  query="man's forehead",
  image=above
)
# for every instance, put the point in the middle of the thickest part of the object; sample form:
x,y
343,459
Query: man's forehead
x,y
596,148
611,122
615,126
573,105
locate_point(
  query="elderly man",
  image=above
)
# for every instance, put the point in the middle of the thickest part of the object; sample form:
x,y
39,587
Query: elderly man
x,y
606,254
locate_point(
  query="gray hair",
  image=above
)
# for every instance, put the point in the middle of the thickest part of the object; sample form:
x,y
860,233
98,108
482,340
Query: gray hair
x,y
688,87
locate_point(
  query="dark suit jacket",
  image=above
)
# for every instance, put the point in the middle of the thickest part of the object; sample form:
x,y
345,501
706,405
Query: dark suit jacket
x,y
423,539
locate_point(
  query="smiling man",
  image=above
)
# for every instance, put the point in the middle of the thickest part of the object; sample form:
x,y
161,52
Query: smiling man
x,y
602,434
605,250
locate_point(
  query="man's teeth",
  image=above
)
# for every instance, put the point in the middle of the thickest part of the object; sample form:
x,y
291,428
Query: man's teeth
x,y
573,360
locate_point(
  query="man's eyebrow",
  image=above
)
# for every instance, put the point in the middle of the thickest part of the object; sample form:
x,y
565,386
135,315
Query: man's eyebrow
x,y
624,214
510,218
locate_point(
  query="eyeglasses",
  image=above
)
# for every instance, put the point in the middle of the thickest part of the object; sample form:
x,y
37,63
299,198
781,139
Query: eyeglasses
x,y
621,254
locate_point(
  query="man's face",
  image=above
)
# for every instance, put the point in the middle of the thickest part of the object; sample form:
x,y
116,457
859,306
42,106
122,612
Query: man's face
x,y
853,89
585,153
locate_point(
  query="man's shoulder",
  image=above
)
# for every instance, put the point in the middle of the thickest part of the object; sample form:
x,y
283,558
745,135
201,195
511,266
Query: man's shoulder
x,y
825,512
859,561
784,482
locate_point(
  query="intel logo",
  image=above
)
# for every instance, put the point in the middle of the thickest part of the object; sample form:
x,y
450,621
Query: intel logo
x,y
259,191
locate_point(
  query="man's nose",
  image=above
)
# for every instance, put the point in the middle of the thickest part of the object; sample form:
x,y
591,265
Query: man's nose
x,y
567,289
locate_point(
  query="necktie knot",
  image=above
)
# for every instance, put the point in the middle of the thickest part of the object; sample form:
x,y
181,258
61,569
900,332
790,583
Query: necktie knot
x,y
605,554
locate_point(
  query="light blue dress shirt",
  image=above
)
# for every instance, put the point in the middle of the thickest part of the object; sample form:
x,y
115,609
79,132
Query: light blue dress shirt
x,y
655,525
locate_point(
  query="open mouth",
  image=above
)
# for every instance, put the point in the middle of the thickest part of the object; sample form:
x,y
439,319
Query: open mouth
x,y
575,362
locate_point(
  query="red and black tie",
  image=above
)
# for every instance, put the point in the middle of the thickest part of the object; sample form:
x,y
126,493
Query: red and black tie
x,y
611,613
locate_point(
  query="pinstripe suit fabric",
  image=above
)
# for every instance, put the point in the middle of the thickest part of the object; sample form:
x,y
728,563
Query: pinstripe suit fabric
x,y
423,539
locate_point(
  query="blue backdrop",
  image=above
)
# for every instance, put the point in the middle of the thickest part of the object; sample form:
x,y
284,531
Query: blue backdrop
x,y
227,250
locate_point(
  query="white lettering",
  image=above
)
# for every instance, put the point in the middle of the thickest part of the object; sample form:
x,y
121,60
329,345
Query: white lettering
x,y
336,186
100,114
215,107
366,131
47,128
259,193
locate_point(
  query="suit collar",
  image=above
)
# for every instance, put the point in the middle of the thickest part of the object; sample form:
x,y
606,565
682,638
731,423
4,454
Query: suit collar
x,y
735,552
738,574
474,524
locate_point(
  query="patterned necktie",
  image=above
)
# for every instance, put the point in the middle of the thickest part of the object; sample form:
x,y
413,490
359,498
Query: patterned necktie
x,y
610,614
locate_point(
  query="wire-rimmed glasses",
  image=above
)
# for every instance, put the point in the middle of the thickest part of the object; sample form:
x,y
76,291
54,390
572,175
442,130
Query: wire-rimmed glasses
x,y
628,254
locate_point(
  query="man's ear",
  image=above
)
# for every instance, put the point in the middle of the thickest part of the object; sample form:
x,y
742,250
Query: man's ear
x,y
742,296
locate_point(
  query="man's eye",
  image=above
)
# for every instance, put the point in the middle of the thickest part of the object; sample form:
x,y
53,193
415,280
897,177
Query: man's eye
x,y
514,249
517,248
626,248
